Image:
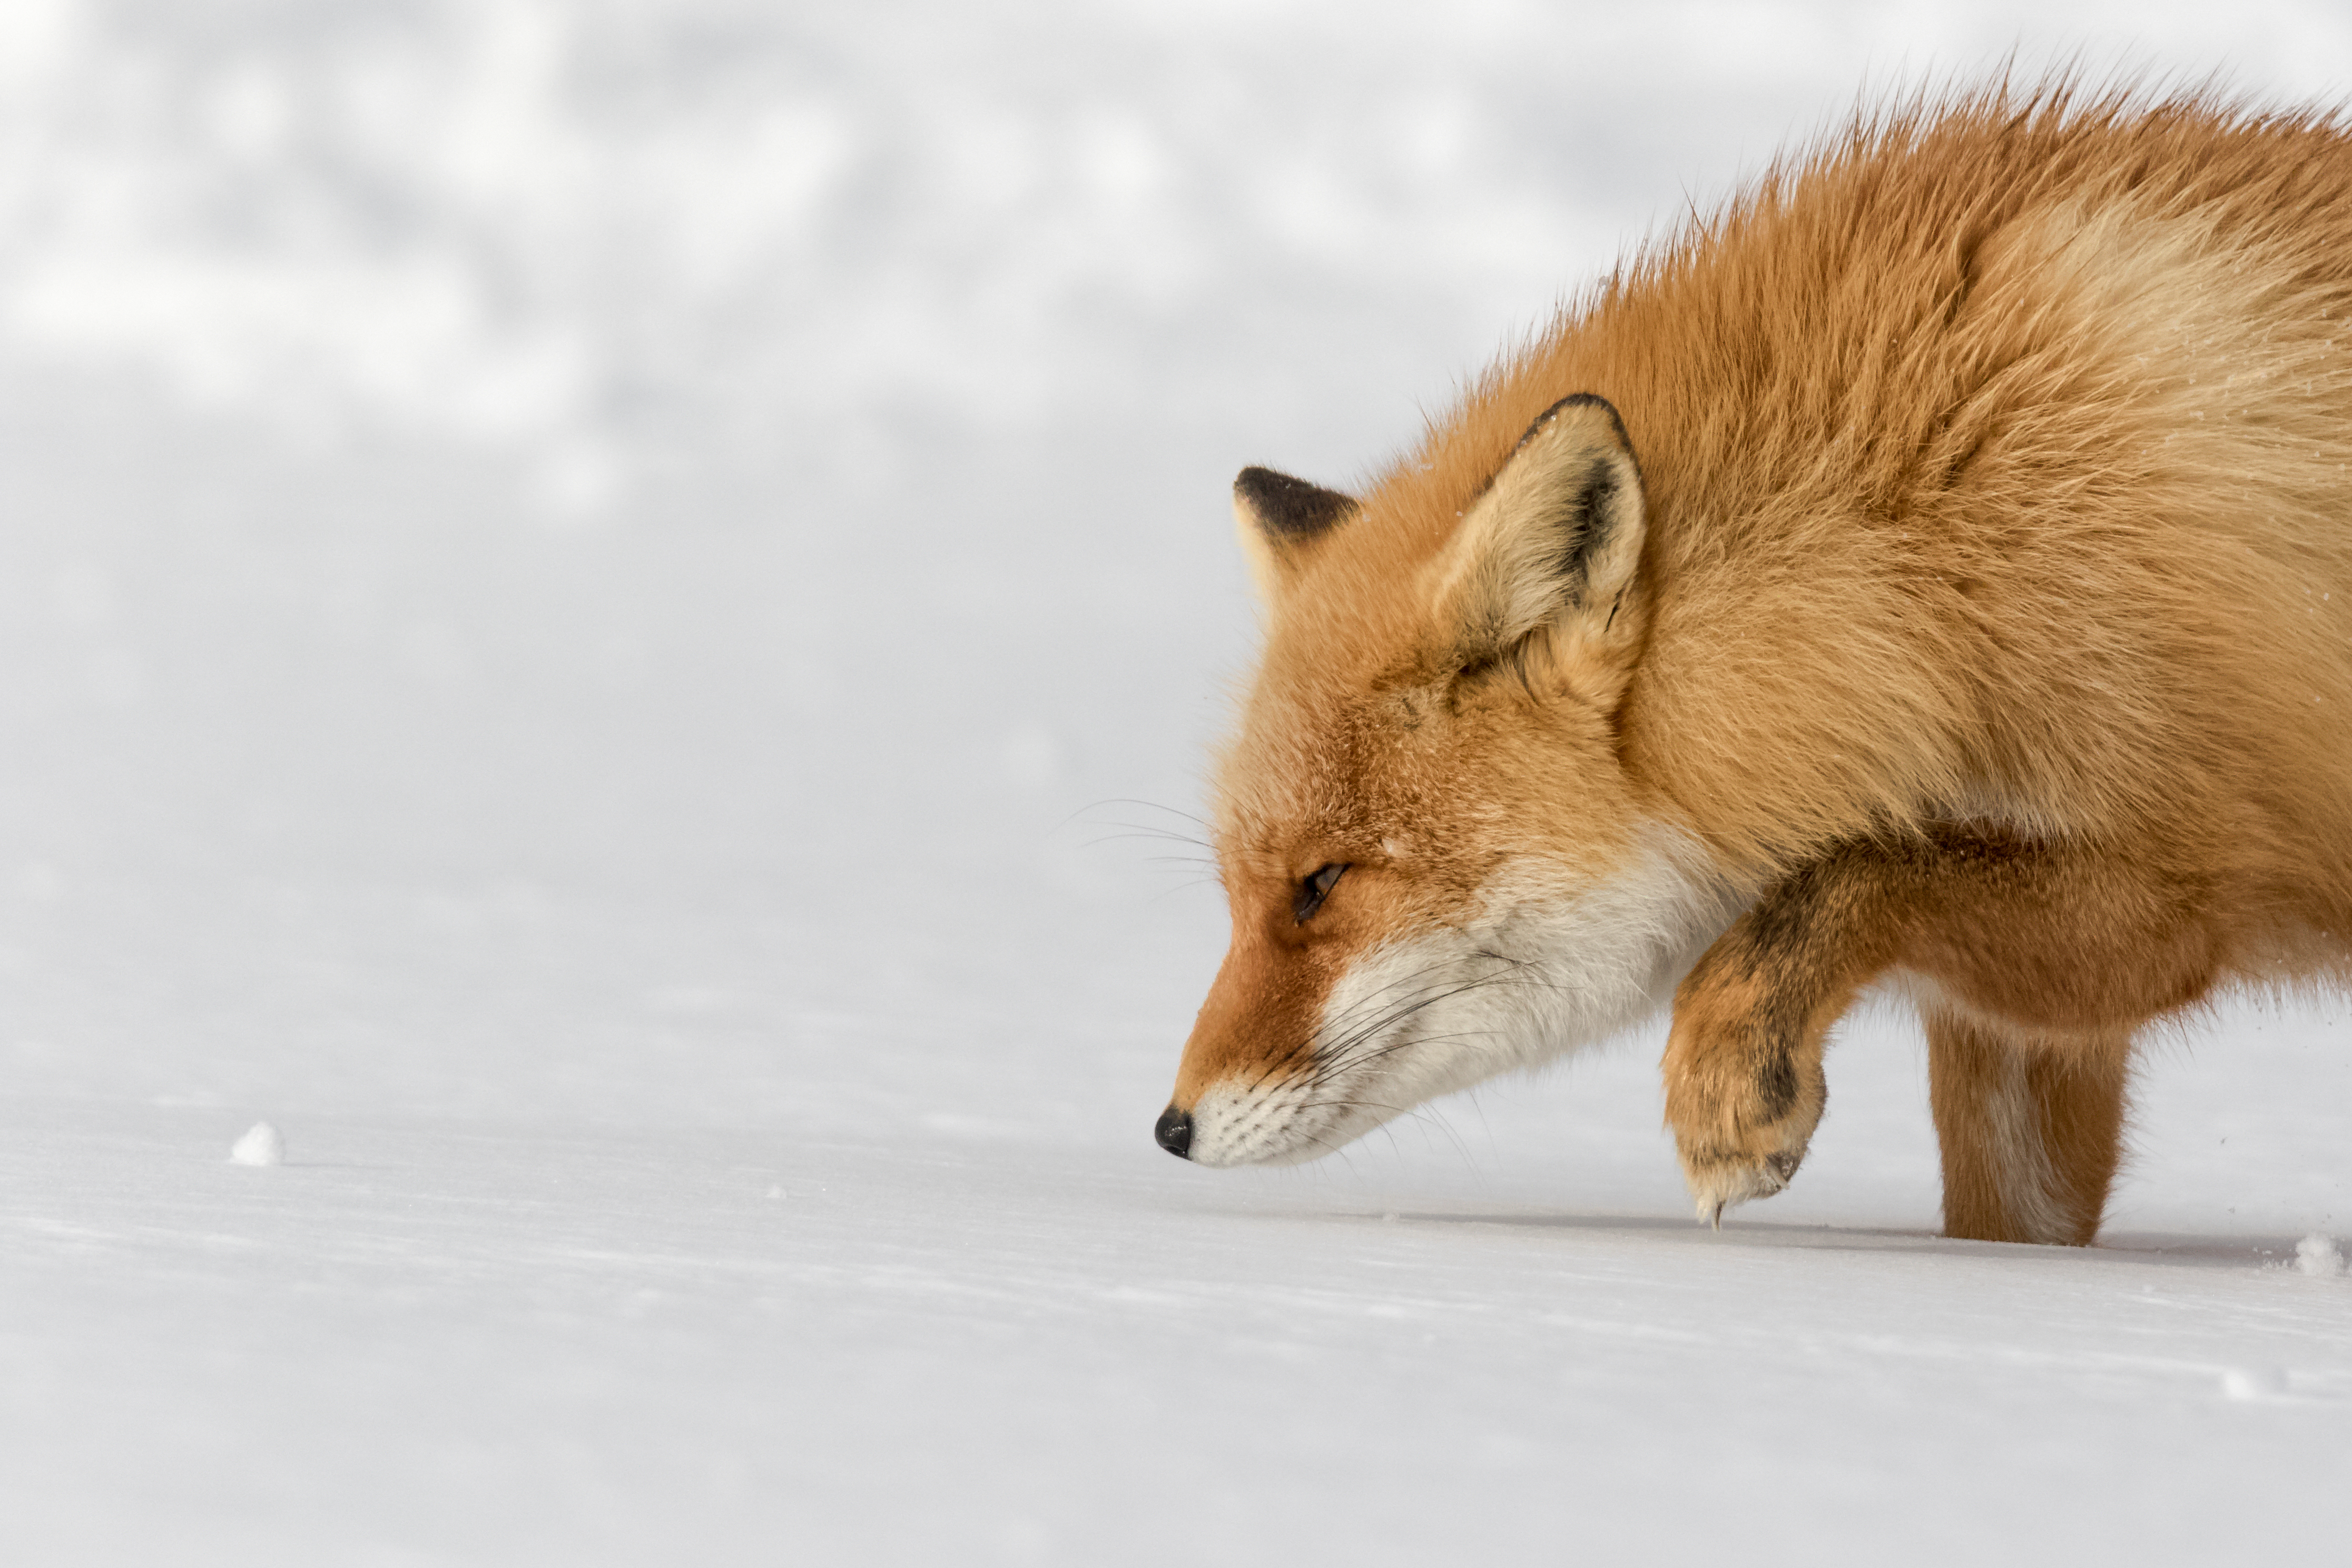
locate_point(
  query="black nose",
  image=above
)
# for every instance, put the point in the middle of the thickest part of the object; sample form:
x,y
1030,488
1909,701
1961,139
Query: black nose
x,y
1174,1131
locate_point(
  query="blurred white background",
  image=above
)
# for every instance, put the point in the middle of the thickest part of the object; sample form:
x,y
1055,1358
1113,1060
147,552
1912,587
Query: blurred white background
x,y
609,574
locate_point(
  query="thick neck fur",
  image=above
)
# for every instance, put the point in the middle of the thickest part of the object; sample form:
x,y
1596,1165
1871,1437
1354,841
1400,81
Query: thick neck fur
x,y
1982,444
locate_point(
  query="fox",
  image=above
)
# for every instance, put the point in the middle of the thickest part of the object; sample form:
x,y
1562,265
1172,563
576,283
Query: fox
x,y
1927,575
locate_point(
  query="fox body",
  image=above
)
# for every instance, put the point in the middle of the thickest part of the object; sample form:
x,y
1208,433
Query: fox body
x,y
1933,569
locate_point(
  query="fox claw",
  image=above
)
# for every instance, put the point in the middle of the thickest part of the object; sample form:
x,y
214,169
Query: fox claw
x,y
1717,1183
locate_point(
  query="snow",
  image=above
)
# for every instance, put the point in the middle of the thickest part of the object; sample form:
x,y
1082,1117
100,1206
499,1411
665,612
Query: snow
x,y
262,1145
2256,1383
606,614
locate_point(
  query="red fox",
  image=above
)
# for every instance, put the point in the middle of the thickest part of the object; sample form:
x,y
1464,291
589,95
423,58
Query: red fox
x,y
1932,569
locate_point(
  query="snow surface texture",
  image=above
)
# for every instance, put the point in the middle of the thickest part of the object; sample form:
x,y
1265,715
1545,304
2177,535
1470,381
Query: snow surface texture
x,y
572,581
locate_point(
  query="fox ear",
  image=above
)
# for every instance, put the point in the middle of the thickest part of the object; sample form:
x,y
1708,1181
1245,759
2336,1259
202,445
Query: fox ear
x,y
1278,517
1539,578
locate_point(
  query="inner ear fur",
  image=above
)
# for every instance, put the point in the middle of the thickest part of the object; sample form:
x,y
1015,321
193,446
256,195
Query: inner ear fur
x,y
1541,577
1279,517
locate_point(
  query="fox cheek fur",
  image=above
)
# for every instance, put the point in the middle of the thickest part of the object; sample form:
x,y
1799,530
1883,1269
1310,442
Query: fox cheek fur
x,y
1932,571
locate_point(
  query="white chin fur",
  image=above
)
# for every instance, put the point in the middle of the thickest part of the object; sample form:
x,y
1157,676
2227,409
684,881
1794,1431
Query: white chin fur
x,y
1540,972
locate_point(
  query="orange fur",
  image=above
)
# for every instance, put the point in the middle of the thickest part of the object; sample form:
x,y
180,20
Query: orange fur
x,y
1985,571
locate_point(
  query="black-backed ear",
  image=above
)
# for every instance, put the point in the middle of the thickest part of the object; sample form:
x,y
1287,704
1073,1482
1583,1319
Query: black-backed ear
x,y
1539,580
1278,516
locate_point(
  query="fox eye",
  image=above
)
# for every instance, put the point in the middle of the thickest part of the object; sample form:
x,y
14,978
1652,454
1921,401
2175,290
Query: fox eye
x,y
1313,892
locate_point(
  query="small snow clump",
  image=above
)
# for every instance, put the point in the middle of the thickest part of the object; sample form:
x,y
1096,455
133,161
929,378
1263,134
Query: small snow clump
x,y
2254,1381
2319,1256
261,1146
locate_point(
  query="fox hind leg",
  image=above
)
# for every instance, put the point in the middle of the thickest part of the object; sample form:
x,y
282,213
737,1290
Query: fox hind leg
x,y
2030,1130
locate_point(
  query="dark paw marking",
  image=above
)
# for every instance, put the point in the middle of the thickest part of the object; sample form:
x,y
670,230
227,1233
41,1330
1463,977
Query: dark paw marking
x,y
1776,1086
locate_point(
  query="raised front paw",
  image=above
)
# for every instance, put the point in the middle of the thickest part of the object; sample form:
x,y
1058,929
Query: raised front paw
x,y
1744,1091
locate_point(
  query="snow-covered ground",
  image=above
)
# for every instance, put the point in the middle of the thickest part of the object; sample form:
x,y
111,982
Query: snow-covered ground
x,y
590,598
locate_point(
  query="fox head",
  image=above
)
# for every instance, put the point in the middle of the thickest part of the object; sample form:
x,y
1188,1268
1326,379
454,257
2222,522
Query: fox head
x,y
1438,865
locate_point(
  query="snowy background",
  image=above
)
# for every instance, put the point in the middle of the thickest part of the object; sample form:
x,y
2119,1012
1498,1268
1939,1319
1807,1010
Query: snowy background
x,y
587,593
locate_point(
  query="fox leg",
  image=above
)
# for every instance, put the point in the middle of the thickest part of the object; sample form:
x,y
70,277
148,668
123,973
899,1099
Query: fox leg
x,y
2030,1130
1743,1067
2071,949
